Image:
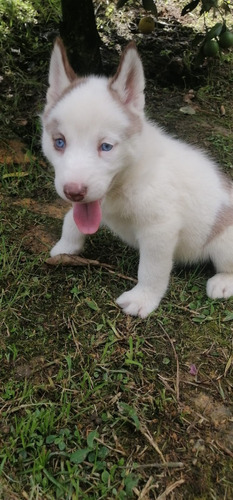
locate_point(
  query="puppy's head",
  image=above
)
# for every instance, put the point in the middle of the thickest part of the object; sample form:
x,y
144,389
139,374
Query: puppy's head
x,y
90,127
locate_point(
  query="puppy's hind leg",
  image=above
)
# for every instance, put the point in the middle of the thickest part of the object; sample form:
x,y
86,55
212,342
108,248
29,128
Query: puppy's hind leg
x,y
220,286
72,241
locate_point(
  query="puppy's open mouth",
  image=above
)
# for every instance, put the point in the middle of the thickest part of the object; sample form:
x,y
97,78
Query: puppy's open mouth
x,y
87,216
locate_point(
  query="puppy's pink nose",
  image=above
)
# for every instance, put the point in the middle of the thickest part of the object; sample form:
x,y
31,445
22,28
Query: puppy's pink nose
x,y
75,192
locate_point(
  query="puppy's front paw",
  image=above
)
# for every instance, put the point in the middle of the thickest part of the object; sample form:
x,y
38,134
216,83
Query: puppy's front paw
x,y
220,286
65,247
138,302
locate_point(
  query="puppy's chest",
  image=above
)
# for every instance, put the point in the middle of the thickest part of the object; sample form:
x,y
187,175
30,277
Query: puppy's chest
x,y
120,219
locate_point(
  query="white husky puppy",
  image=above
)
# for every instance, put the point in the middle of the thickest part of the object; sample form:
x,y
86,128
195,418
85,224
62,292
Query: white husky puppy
x,y
158,194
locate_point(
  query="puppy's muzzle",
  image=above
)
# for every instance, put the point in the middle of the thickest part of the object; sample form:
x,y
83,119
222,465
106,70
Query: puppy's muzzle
x,y
75,192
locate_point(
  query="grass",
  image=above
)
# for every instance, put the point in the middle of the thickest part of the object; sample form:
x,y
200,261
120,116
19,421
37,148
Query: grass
x,y
86,392
94,404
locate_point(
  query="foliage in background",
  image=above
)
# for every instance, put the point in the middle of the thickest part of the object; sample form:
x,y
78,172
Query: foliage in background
x,y
219,37
216,39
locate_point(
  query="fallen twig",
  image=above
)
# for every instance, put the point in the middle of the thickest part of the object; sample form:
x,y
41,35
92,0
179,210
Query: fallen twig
x,y
148,486
223,448
146,433
160,465
165,383
76,260
72,260
187,309
116,450
169,489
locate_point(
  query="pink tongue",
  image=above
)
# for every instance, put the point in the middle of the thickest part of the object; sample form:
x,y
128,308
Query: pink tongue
x,y
87,216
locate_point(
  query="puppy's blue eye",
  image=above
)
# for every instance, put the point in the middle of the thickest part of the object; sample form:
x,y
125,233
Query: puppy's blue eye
x,y
59,143
106,147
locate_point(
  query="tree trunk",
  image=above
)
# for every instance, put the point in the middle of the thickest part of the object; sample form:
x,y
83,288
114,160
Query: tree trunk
x,y
80,36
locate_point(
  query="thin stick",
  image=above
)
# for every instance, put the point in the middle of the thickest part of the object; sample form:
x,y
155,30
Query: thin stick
x,y
186,309
226,450
76,260
146,433
155,465
164,465
148,486
65,259
110,447
169,489
29,405
165,383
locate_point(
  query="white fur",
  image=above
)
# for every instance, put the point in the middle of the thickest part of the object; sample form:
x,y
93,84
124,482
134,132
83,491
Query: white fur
x,y
158,194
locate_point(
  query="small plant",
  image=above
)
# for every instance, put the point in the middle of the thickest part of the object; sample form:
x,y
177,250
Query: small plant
x,y
134,353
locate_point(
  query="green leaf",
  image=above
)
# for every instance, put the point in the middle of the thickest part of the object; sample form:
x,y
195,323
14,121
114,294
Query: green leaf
x,y
131,413
52,479
228,317
79,456
190,7
150,5
62,446
130,482
103,452
105,476
90,438
92,304
215,31
122,495
92,457
133,362
50,439
100,466
136,421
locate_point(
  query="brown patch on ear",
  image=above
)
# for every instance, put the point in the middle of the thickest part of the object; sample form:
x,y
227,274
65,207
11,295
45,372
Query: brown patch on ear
x,y
75,83
135,120
130,79
131,45
223,220
79,80
71,75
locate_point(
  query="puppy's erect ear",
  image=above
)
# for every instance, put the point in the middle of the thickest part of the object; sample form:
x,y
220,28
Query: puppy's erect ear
x,y
129,81
61,74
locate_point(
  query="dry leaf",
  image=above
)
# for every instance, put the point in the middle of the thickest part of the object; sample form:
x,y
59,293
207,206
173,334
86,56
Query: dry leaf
x,y
187,110
222,110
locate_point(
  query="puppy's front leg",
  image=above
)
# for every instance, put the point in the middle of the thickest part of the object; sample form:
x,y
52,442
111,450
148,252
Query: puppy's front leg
x,y
153,277
72,241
